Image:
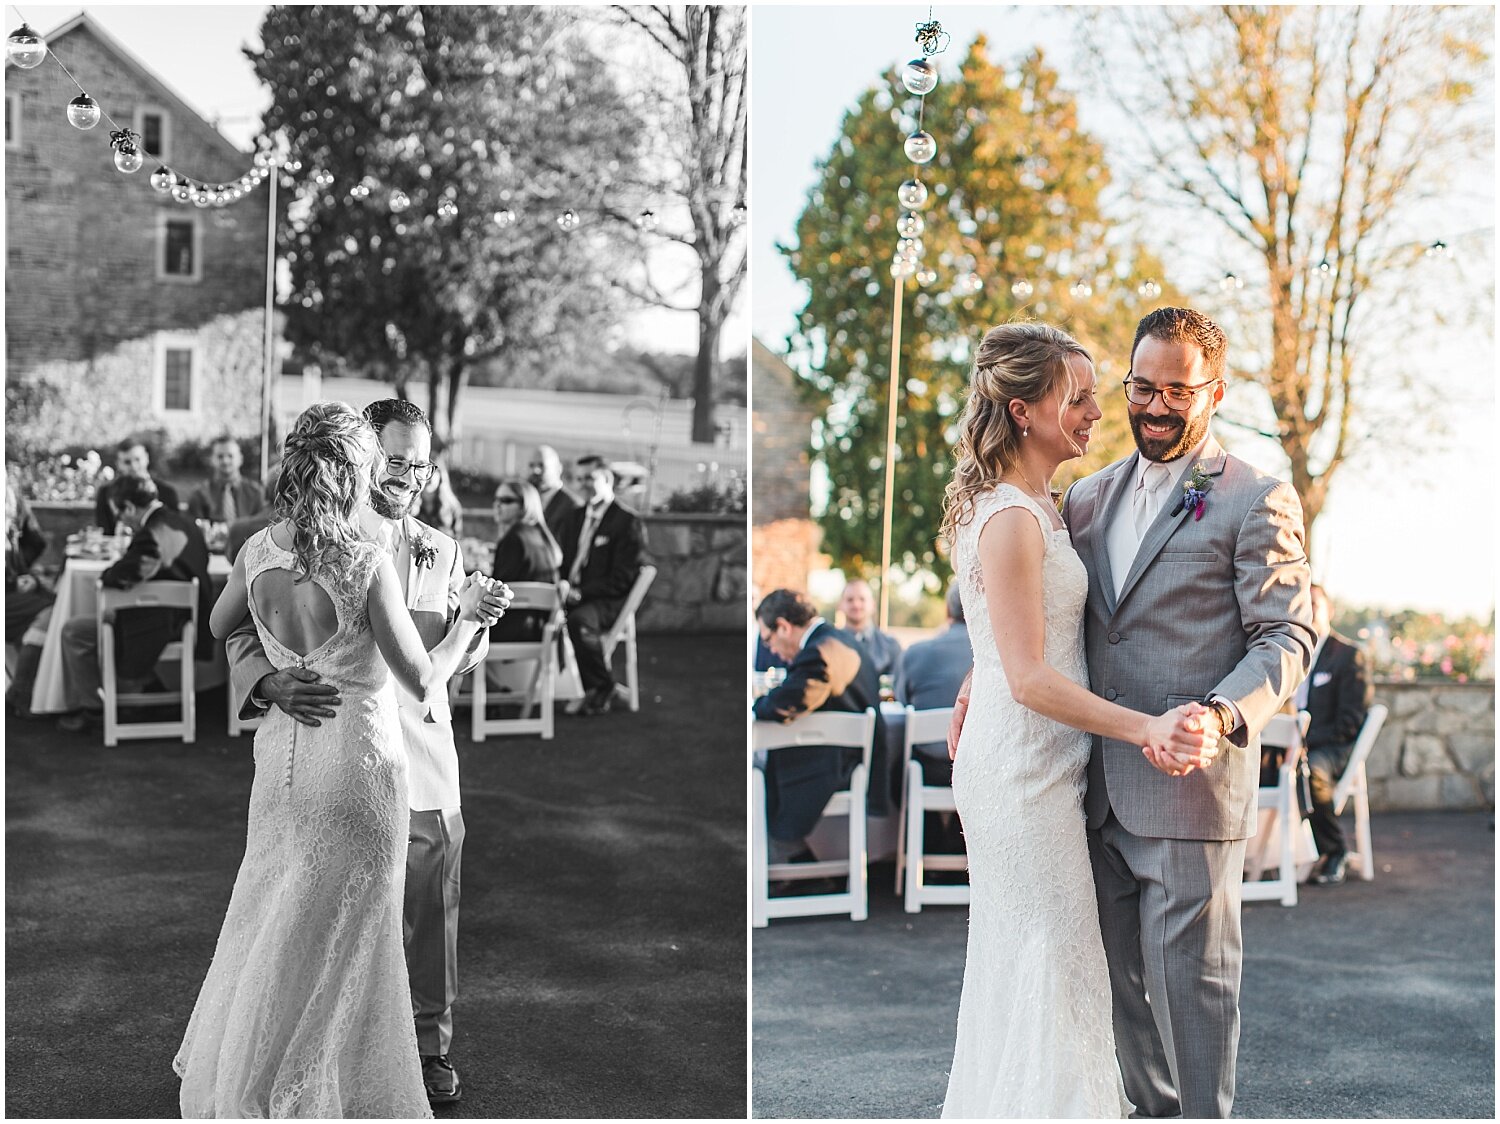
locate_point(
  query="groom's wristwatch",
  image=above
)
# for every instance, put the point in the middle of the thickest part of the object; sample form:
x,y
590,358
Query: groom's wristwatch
x,y
1225,713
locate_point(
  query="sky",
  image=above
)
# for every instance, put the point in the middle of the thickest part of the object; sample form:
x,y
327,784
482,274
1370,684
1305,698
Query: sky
x,y
195,50
1395,532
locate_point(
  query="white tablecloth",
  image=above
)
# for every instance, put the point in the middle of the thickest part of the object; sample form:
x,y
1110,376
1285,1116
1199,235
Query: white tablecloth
x,y
77,596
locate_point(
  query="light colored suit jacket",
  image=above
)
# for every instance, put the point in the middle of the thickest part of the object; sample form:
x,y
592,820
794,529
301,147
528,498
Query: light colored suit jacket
x,y
1216,605
426,725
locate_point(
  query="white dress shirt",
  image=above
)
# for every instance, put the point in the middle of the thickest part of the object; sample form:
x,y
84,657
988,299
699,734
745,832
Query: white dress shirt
x,y
1121,539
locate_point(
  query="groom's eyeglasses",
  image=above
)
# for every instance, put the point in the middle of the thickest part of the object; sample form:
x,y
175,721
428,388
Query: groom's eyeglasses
x,y
421,471
1177,398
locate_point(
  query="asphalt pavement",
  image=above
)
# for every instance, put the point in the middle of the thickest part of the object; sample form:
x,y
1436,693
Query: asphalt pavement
x,y
602,934
1365,1000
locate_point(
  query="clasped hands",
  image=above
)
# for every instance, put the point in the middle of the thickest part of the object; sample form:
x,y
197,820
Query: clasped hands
x,y
483,600
1183,739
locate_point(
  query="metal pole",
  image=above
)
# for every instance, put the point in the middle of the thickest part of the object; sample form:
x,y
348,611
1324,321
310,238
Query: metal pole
x,y
268,358
890,455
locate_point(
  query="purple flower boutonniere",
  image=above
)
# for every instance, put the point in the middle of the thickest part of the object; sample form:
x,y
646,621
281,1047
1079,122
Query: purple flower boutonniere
x,y
422,550
1195,492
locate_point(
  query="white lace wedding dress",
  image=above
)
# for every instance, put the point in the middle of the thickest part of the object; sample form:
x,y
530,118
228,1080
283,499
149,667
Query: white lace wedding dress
x,y
306,1011
1034,1031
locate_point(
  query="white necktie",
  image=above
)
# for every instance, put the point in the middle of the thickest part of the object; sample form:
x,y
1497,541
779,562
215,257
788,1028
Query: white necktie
x,y
1148,497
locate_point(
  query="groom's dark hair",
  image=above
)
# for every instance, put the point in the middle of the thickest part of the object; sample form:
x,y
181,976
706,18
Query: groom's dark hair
x,y
383,411
787,605
1173,325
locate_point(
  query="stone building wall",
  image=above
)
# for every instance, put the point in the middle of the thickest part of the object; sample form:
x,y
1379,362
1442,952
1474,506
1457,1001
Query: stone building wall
x,y
1436,749
83,300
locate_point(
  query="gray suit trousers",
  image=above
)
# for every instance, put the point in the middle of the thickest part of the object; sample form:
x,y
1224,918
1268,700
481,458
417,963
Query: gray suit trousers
x,y
1169,910
434,846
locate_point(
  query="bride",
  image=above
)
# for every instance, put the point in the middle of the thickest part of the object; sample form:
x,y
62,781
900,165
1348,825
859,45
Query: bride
x,y
306,1011
1034,1030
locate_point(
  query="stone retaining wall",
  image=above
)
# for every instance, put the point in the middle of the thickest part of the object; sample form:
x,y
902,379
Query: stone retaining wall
x,y
701,581
1436,749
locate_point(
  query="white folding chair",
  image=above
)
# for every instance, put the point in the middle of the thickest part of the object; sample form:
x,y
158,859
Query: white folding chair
x,y
532,663
149,595
821,727
623,632
1280,818
913,859
1353,783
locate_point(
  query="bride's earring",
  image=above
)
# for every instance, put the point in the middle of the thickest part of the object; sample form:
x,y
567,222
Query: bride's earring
x,y
1026,432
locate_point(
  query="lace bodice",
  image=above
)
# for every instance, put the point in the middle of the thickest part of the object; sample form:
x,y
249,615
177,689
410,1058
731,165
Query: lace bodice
x,y
349,657
1065,588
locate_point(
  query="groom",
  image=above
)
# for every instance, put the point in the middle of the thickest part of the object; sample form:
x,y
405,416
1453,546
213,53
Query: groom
x,y
1198,592
431,570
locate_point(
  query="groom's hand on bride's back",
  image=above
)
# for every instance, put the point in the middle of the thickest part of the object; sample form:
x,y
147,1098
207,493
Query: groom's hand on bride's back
x,y
960,708
301,693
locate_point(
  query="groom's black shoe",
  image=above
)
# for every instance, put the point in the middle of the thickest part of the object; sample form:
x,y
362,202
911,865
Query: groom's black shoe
x,y
441,1079
1333,871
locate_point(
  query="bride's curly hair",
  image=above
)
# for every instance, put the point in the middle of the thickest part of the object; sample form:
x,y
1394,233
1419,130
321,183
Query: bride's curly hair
x,y
326,471
1025,361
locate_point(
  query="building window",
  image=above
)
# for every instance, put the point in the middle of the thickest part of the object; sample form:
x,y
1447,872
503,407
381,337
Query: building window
x,y
12,120
154,124
176,374
179,244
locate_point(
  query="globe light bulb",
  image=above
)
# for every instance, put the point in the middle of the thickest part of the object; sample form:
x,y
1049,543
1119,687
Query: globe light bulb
x,y
83,112
1021,289
926,277
25,47
568,220
360,191
293,166
398,201
323,177
647,220
903,267
1437,250
1229,283
128,162
1325,266
265,158
909,248
910,225
447,210
920,147
181,192
738,214
162,179
919,77
505,217
912,195
1081,289
1149,289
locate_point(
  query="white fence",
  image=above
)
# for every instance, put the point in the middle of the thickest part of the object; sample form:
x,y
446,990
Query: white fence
x,y
501,427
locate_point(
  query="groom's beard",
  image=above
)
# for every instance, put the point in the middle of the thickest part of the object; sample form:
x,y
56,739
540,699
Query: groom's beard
x,y
387,508
1189,433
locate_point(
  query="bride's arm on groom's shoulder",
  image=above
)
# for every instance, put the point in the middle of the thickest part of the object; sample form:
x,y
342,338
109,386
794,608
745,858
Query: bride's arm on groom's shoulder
x,y
233,603
1011,552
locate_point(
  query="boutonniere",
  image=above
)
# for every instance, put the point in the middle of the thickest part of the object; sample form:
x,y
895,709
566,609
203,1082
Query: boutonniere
x,y
422,550
1195,492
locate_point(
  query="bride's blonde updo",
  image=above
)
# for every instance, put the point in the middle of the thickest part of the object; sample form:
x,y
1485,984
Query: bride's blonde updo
x,y
326,469
1025,361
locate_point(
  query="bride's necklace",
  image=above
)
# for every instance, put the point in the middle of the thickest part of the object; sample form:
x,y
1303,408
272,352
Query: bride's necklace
x,y
1031,490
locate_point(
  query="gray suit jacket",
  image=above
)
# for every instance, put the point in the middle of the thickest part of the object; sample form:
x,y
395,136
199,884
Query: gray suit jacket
x,y
1216,605
930,674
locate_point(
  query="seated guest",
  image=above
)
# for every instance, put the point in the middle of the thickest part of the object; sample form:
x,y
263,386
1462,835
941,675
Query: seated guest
x,y
604,548
525,551
858,607
241,529
826,670
545,473
28,602
228,495
132,459
929,676
439,506
167,546
1337,694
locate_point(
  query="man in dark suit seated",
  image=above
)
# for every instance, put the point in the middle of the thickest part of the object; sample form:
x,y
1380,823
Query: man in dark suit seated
x,y
167,546
827,670
604,548
1337,694
228,496
132,459
544,471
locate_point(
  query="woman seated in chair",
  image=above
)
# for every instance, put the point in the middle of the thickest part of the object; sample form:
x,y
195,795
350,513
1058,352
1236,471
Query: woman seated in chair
x,y
524,552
